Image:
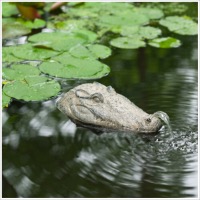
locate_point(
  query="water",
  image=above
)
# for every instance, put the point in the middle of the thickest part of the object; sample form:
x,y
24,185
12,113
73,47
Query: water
x,y
46,155
164,118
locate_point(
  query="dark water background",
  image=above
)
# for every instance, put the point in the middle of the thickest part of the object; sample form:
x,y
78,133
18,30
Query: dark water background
x,y
45,155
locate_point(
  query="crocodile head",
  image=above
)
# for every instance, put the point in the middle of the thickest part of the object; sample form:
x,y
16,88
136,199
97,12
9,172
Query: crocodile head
x,y
96,106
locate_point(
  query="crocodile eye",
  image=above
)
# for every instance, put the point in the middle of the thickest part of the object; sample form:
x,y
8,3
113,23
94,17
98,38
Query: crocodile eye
x,y
97,97
148,120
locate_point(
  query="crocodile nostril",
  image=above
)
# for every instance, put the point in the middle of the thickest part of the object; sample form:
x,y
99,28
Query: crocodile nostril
x,y
148,120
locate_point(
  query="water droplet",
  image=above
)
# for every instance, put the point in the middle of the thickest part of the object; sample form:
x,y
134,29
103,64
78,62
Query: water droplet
x,y
164,117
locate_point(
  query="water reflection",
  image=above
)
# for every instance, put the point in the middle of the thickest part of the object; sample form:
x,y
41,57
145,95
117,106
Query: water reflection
x,y
45,155
87,165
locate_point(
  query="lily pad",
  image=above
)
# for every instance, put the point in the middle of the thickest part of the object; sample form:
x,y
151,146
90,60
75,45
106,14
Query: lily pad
x,y
149,32
104,72
127,43
100,51
82,12
146,32
19,72
5,100
34,80
167,42
7,55
28,52
11,30
180,25
172,8
107,6
151,13
66,24
13,27
37,23
129,30
29,91
124,19
84,33
9,9
91,51
57,40
81,52
67,66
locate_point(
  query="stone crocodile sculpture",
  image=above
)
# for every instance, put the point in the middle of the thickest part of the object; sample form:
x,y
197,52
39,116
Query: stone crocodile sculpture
x,y
98,107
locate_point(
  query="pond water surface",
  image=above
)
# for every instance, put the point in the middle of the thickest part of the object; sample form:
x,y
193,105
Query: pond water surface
x,y
46,155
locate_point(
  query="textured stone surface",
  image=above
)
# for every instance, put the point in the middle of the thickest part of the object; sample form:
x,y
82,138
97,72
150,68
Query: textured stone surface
x,y
96,106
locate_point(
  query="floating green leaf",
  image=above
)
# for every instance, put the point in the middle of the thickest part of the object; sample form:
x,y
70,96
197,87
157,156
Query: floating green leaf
x,y
9,9
17,27
67,66
108,6
28,52
149,32
58,41
7,55
100,51
34,80
30,90
19,72
127,43
5,100
37,23
124,19
88,35
129,30
91,51
81,52
173,8
82,12
105,71
66,71
146,32
180,25
11,30
151,13
67,24
167,42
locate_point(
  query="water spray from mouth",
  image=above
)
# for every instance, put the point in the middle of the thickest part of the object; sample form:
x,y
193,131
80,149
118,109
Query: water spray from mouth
x,y
164,117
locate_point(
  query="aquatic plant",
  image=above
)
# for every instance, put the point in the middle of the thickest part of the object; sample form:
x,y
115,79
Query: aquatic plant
x,y
73,46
